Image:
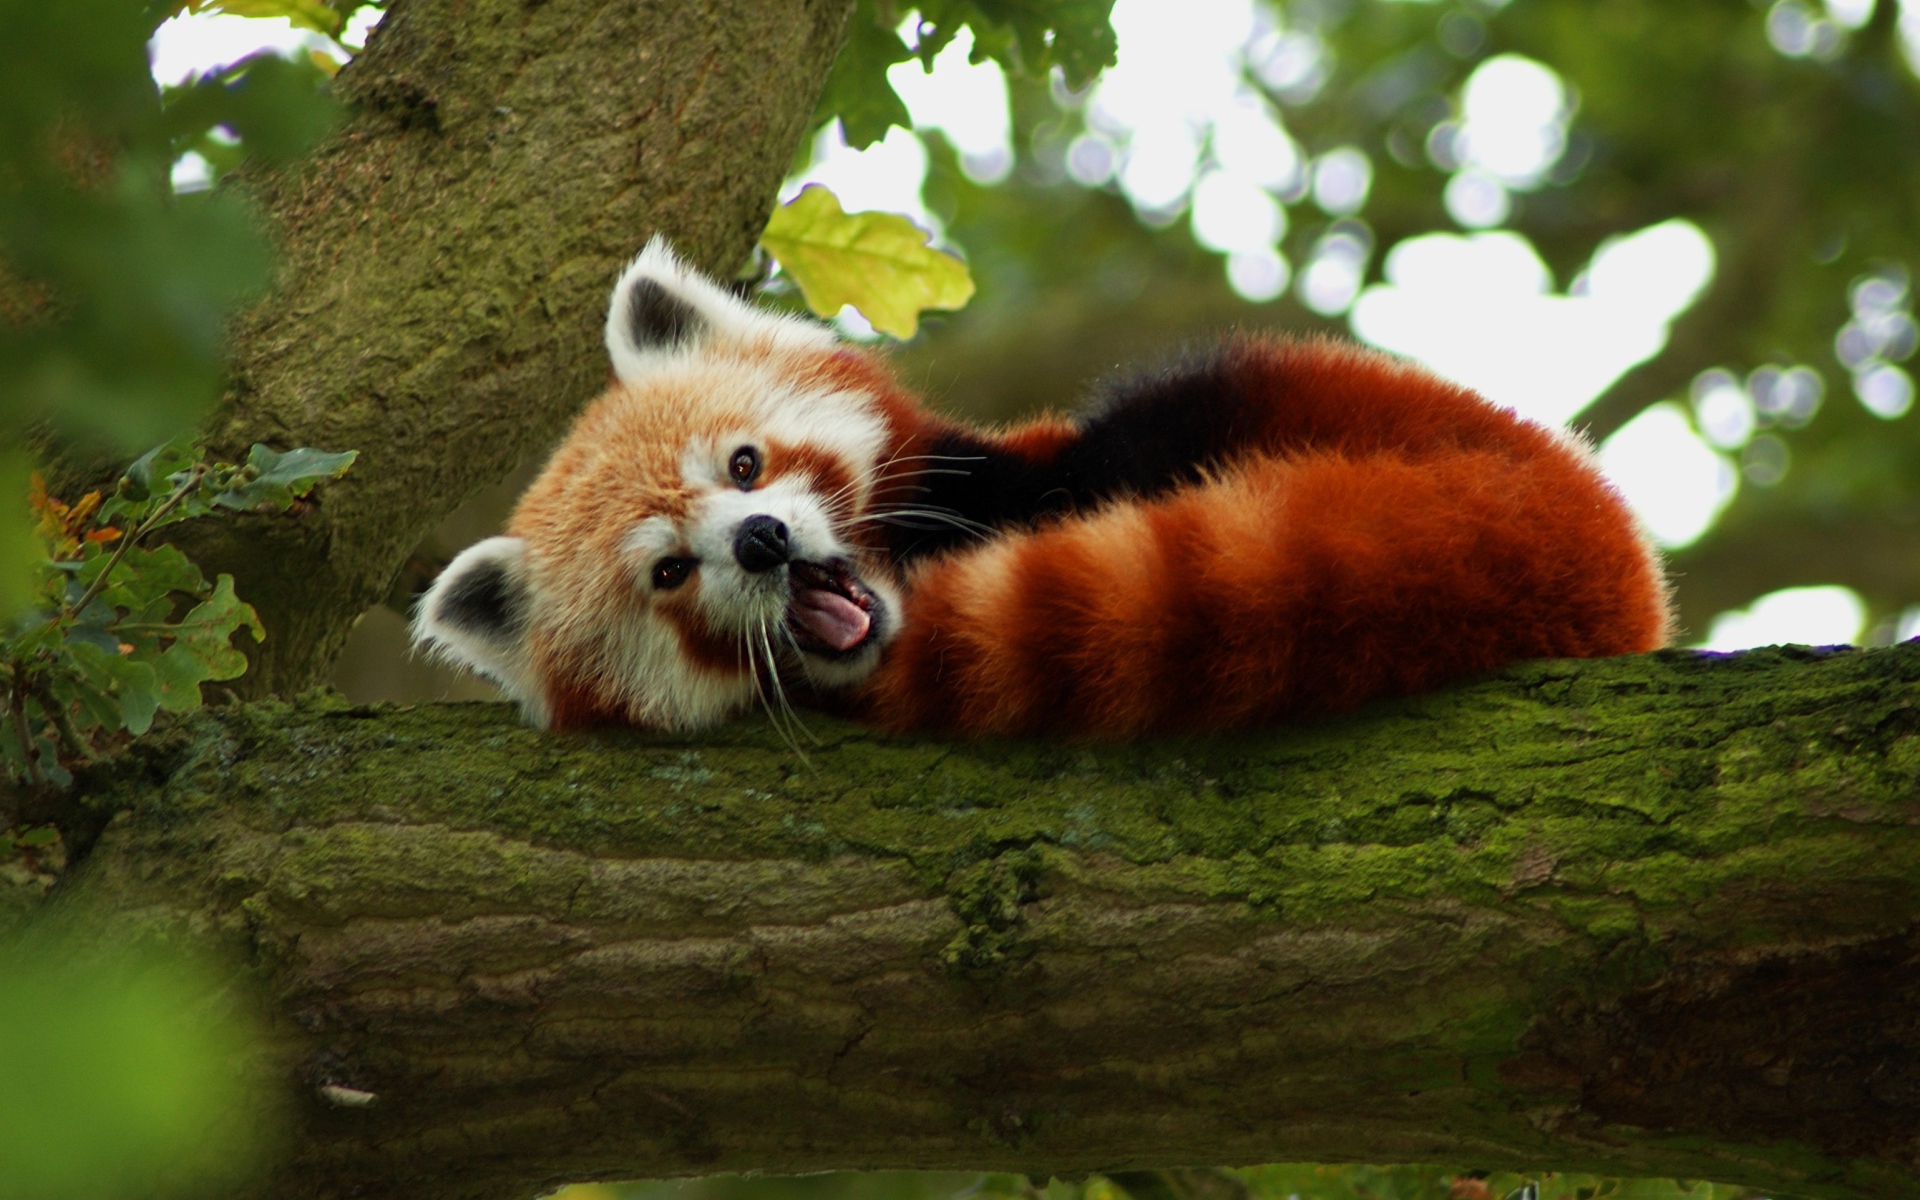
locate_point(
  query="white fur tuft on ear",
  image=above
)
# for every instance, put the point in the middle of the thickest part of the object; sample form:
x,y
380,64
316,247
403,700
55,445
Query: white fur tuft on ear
x,y
476,614
662,308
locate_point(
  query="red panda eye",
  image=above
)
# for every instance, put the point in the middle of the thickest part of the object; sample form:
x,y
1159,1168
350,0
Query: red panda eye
x,y
670,573
745,466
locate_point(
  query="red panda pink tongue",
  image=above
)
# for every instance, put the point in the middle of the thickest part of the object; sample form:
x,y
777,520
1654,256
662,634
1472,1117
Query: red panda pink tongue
x,y
831,617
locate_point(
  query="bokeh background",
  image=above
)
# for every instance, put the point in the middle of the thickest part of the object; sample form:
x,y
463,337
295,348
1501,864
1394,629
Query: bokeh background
x,y
1683,228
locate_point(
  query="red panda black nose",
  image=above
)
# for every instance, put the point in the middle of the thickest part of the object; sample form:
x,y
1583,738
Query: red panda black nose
x,y
761,544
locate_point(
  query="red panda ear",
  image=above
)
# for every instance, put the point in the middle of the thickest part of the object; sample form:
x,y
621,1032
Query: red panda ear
x,y
662,309
656,318
654,312
476,615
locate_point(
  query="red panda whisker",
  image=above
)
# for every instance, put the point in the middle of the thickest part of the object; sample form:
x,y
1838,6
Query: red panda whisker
x,y
841,497
773,672
903,458
908,473
922,509
867,481
893,516
922,521
872,474
872,478
753,671
779,690
794,643
774,714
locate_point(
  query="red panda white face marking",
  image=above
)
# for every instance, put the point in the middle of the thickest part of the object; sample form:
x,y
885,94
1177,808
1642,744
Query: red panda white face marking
x,y
773,566
693,534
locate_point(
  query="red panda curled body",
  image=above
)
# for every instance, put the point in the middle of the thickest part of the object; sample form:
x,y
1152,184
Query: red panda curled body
x,y
1268,530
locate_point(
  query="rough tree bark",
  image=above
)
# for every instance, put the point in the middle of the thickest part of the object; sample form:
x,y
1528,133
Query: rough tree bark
x,y
1647,916
447,257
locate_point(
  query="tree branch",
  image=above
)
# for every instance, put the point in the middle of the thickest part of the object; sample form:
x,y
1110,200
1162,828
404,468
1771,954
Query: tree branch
x,y
448,256
1647,916
1721,328
1876,554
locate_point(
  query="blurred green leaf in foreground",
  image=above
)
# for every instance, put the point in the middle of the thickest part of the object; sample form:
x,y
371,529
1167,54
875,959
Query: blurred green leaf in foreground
x,y
121,1074
115,291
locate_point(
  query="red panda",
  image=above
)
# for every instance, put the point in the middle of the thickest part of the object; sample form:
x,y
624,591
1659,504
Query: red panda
x,y
1268,529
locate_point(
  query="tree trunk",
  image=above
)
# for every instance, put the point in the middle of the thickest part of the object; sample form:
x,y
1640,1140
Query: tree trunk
x,y
448,255
1646,916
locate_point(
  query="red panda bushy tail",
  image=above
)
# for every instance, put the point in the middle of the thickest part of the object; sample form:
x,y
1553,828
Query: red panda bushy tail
x,y
1372,531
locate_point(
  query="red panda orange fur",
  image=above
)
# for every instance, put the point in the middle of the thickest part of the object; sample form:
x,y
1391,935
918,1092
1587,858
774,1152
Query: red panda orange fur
x,y
1273,529
1383,533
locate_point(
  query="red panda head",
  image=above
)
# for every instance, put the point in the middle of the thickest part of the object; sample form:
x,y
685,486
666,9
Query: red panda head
x,y
698,533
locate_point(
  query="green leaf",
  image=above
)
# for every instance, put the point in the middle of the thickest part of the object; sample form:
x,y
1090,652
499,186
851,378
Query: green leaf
x,y
878,262
115,690
137,687
272,481
1310,1181
98,707
1024,36
857,90
40,633
1076,35
133,350
145,574
11,756
276,106
202,647
150,473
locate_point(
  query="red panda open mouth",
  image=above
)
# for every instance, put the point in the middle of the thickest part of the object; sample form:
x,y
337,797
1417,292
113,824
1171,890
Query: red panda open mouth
x,y
830,611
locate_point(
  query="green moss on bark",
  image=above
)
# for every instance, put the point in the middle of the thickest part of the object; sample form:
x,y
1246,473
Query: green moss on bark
x,y
1586,915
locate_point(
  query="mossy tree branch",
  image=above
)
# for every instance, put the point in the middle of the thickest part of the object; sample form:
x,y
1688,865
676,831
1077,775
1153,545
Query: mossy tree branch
x,y
1646,916
447,258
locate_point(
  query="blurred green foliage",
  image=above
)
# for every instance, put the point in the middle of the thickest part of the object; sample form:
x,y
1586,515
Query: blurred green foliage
x,y
119,1069
122,1074
114,291
1800,168
1025,36
114,296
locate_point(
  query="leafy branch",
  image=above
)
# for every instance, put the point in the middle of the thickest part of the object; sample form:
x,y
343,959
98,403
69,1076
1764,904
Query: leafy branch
x,y
119,631
1025,38
172,502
